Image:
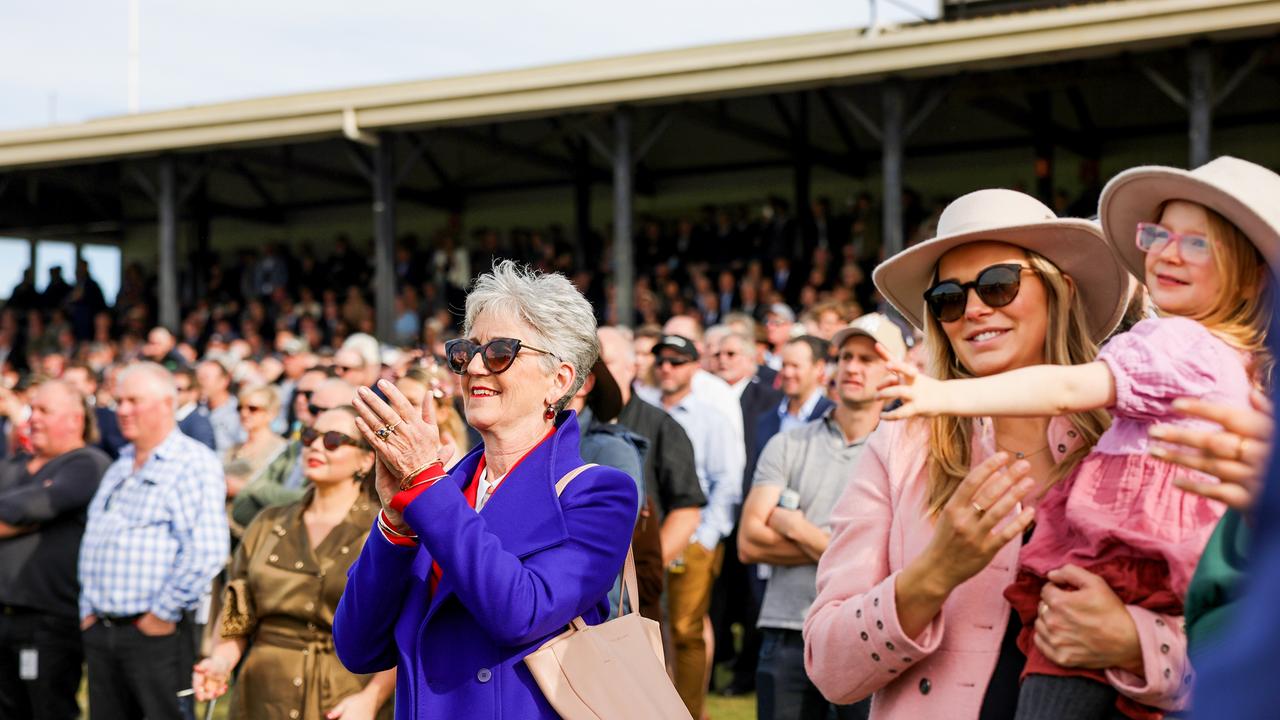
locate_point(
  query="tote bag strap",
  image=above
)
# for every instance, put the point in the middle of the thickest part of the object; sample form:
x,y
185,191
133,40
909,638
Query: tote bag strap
x,y
630,585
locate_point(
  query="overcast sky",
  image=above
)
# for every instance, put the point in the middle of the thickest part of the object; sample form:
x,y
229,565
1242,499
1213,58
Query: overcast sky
x,y
66,60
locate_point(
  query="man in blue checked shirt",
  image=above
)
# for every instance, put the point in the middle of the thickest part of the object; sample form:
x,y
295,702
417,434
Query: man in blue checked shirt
x,y
156,536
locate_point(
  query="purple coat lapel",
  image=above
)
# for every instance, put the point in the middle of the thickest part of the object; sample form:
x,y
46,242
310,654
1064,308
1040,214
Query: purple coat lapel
x,y
525,512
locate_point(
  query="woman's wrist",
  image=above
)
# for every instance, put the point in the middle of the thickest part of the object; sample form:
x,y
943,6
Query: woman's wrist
x,y
395,519
923,579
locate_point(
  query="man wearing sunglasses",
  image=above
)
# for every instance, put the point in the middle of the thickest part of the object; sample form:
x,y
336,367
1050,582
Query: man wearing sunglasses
x,y
718,458
282,482
670,479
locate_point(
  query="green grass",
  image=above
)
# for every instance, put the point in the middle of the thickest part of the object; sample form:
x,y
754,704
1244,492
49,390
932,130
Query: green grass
x,y
734,708
718,708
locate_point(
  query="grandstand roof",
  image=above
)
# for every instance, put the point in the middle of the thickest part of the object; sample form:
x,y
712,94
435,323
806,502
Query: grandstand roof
x,y
717,71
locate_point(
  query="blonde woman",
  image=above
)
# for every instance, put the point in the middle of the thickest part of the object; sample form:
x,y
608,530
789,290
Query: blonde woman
x,y
910,604
243,462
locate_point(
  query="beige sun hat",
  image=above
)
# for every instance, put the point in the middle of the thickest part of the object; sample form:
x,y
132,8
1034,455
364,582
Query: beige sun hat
x,y
1246,194
1075,246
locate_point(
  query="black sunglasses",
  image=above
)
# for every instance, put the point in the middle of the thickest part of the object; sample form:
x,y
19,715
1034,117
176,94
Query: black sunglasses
x,y
315,410
996,286
332,439
497,354
672,361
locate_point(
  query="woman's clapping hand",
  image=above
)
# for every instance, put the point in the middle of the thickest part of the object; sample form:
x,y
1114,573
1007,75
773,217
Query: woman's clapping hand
x,y
1237,455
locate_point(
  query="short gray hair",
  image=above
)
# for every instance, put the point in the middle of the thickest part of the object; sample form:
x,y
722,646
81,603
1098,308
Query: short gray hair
x,y
550,305
160,376
716,333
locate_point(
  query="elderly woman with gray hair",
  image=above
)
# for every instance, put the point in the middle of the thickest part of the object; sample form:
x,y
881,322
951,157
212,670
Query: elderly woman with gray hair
x,y
469,571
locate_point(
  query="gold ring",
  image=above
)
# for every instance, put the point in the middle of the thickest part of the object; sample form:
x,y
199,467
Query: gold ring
x,y
1240,448
981,510
1044,608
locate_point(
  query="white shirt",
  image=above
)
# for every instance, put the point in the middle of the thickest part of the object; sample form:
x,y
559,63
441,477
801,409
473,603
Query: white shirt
x,y
484,488
715,391
719,460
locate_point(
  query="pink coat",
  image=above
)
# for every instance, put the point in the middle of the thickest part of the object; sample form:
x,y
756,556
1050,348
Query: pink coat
x,y
854,646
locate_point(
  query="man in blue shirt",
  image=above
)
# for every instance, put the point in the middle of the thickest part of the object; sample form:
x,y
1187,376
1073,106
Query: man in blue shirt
x,y
156,536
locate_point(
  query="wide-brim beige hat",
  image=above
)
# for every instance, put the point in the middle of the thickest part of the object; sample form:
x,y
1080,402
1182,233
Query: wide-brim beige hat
x,y
1246,194
1075,246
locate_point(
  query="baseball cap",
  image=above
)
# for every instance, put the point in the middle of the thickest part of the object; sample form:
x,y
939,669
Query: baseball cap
x,y
783,311
877,327
679,343
294,346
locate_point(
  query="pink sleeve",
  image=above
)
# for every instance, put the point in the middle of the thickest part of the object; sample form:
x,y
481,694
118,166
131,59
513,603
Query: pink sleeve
x,y
1159,361
1168,680
853,642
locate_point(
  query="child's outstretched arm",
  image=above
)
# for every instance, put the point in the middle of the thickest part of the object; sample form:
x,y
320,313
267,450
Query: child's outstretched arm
x,y
1036,391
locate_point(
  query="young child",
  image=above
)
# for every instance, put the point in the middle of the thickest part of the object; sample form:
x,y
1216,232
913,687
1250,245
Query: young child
x,y
1120,514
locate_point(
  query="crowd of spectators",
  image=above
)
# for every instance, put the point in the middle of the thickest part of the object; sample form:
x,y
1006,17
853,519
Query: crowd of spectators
x,y
709,263
730,344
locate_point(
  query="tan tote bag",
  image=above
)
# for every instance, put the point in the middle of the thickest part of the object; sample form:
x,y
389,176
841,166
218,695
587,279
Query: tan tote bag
x,y
611,671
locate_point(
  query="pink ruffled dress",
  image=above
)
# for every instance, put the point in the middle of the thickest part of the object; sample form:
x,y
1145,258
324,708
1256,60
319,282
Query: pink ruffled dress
x,y
1119,514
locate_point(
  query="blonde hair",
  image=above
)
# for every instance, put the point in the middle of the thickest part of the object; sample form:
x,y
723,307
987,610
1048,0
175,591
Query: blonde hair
x,y
261,391
1241,314
1066,342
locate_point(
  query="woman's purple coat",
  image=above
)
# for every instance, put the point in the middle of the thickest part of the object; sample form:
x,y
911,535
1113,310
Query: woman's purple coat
x,y
514,575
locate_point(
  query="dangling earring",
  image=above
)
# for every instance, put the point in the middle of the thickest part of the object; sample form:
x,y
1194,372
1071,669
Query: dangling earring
x,y
549,414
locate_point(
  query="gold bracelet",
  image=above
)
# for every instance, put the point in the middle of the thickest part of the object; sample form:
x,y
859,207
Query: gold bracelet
x,y
383,524
415,473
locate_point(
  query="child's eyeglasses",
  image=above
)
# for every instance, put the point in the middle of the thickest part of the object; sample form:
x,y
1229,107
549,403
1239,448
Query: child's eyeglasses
x,y
1193,247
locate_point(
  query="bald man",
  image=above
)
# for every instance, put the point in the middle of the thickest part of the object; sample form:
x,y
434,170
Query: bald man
x,y
156,536
43,497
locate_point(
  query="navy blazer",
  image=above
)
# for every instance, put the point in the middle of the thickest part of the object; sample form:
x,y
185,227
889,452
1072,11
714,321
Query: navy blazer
x,y
768,424
758,398
196,426
110,439
514,575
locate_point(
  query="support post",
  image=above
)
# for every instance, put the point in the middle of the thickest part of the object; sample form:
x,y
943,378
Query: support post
x,y
583,253
891,167
1042,119
167,204
1200,103
803,173
384,235
624,285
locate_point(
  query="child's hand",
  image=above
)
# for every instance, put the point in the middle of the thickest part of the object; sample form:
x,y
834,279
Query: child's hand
x,y
1237,455
919,394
